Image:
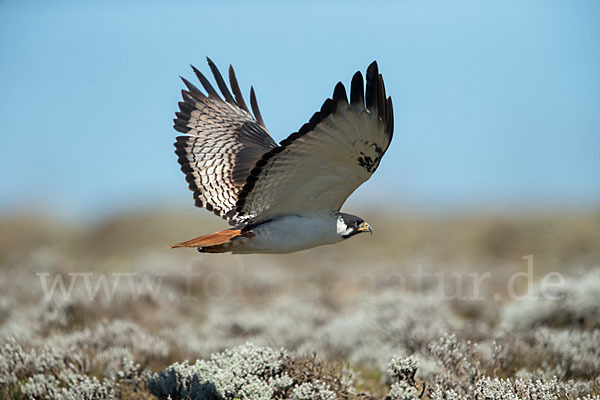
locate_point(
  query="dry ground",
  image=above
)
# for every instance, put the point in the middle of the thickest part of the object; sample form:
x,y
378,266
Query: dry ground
x,y
421,308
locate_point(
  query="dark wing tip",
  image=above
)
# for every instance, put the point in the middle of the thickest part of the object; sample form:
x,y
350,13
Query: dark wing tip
x,y
339,93
239,98
192,88
180,125
371,93
255,109
185,107
328,107
374,66
205,83
220,82
357,89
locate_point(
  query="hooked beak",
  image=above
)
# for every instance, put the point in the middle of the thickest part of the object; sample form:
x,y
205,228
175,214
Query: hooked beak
x,y
366,228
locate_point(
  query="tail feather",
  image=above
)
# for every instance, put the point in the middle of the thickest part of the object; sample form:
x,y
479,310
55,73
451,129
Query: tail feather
x,y
212,239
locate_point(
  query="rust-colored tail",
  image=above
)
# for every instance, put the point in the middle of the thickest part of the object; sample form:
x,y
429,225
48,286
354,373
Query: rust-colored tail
x,y
218,242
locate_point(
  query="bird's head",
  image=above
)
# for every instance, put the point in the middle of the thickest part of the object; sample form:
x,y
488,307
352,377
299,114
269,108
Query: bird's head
x,y
349,225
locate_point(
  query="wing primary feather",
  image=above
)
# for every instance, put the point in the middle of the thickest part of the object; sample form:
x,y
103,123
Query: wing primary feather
x,y
185,107
193,97
382,88
339,93
255,109
206,84
327,108
239,98
389,125
193,90
220,82
182,115
381,108
372,86
357,90
181,125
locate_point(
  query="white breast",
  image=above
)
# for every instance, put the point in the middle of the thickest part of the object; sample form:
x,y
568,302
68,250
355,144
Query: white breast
x,y
291,233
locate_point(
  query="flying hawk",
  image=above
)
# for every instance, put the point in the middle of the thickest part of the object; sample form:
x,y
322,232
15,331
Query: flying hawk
x,y
287,197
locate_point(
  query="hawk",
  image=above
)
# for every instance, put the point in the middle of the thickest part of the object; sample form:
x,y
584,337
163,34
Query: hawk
x,y
284,197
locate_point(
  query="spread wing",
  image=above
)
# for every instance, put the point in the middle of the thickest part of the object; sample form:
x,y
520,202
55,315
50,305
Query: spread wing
x,y
318,167
223,141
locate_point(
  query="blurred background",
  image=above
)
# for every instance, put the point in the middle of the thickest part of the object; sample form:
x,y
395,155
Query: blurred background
x,y
495,157
496,104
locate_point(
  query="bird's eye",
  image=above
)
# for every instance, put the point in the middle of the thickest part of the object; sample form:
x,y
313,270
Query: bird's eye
x,y
357,224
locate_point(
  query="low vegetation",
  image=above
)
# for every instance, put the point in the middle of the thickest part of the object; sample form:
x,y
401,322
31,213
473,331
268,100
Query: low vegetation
x,y
426,308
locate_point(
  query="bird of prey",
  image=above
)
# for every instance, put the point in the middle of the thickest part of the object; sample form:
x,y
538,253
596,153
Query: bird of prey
x,y
287,197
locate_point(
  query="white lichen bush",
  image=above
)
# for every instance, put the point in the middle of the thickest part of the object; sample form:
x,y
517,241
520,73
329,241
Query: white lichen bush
x,y
402,369
494,388
403,391
458,366
249,372
460,376
312,391
59,367
69,385
401,374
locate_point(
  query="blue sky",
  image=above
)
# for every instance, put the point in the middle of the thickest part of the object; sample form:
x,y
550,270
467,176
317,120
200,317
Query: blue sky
x,y
497,103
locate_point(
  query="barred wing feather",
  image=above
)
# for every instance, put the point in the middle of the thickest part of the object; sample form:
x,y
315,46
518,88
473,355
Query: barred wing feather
x,y
222,141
